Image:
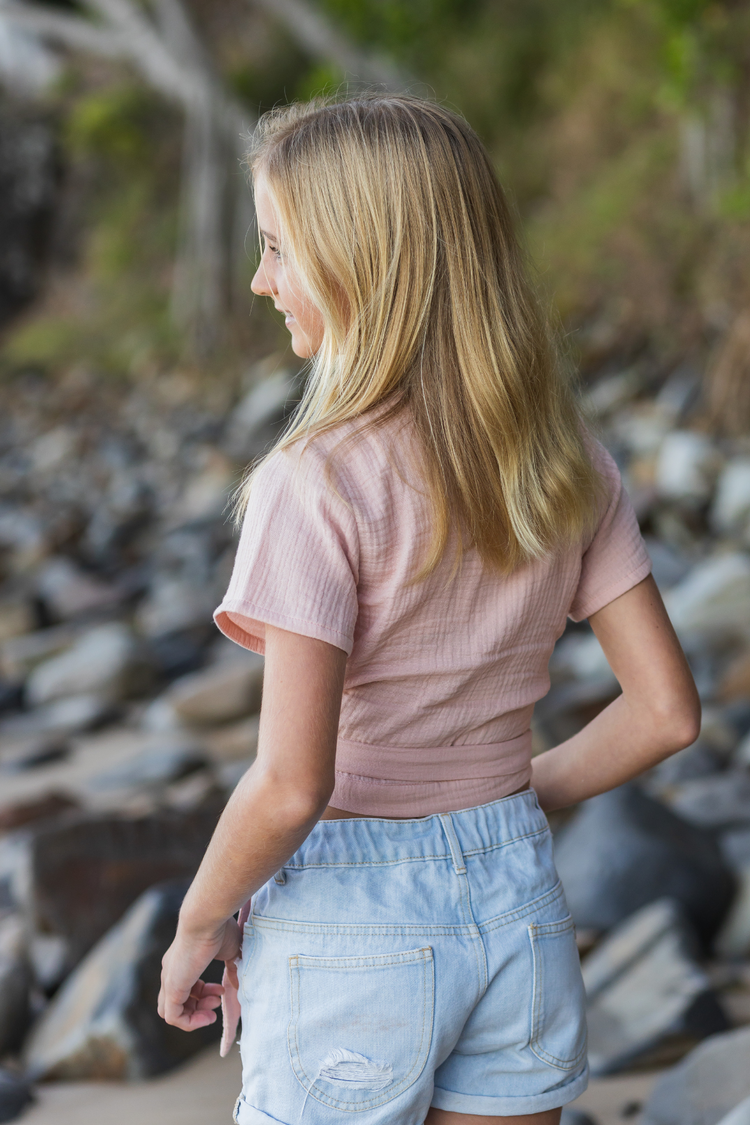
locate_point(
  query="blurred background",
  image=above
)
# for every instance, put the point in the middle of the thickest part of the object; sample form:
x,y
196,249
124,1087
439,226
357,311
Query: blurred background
x,y
139,378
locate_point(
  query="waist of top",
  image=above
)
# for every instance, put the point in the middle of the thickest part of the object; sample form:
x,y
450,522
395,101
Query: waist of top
x,y
434,763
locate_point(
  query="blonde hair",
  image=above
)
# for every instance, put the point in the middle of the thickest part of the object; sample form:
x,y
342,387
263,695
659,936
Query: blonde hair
x,y
391,201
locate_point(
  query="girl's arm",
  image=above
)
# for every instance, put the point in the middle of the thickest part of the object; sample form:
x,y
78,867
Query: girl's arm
x,y
272,810
658,712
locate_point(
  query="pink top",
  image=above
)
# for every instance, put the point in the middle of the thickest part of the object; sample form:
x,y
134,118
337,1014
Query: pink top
x,y
442,675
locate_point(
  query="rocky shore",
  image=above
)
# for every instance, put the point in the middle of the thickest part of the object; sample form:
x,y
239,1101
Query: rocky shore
x,y
125,721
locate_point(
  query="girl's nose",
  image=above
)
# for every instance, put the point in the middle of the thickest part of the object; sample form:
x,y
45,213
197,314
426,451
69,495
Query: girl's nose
x,y
261,284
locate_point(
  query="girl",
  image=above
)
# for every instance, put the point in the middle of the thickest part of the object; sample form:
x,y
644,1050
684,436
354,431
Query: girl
x,y
409,556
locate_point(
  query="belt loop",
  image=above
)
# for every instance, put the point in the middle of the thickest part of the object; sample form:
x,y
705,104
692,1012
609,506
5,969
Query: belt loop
x,y
280,877
459,865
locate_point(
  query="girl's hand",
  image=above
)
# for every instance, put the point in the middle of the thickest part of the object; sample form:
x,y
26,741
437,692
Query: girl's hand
x,y
185,1000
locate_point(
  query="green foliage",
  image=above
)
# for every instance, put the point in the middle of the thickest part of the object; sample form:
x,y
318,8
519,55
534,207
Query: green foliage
x,y
112,123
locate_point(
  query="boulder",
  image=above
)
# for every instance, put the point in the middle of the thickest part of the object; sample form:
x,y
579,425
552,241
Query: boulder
x,y
622,850
713,601
82,871
721,801
733,939
15,983
576,1117
730,510
72,715
15,1095
99,663
226,691
65,589
103,1022
258,419
740,1115
644,988
705,1086
686,467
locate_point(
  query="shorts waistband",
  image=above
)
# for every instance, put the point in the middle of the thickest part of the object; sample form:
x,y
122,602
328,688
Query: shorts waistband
x,y
373,840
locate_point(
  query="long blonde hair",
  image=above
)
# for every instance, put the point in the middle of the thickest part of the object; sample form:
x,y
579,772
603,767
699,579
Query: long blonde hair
x,y
391,201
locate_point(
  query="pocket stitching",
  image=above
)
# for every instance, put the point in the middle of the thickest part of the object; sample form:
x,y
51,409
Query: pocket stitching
x,y
535,929
424,956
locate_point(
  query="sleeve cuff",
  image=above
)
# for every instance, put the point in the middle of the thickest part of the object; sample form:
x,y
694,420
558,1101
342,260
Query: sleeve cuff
x,y
245,624
608,593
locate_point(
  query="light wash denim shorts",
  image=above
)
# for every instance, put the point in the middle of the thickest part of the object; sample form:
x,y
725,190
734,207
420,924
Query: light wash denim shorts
x,y
397,964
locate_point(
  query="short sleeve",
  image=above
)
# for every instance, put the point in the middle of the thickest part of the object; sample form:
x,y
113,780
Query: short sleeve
x,y
616,559
297,561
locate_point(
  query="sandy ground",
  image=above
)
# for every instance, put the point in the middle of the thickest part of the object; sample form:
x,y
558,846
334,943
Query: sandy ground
x,y
204,1091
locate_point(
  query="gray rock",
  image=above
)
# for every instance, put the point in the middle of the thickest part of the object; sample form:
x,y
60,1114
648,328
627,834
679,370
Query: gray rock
x,y
99,663
720,801
15,1095
687,466
713,601
68,591
174,604
72,715
259,417
735,847
705,1086
644,987
668,565
622,850
730,511
15,982
103,1023
740,1115
576,1117
153,768
229,690
733,939
697,761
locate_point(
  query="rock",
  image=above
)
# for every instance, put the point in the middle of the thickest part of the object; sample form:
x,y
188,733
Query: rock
x,y
72,715
226,691
20,655
26,812
579,656
713,601
735,847
740,1115
258,419
153,768
83,872
15,1095
644,987
720,801
576,1117
16,618
668,565
696,761
15,983
206,493
622,850
99,663
705,1086
733,939
174,604
34,752
237,741
687,467
68,591
103,1023
742,754
730,511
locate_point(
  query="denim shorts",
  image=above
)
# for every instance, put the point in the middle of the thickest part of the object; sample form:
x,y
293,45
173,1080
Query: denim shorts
x,y
394,965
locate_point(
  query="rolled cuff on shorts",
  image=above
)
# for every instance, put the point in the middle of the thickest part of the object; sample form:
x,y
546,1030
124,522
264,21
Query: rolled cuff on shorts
x,y
508,1107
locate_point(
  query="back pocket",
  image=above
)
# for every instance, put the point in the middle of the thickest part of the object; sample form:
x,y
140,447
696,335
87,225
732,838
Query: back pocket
x,y
361,1027
558,1014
